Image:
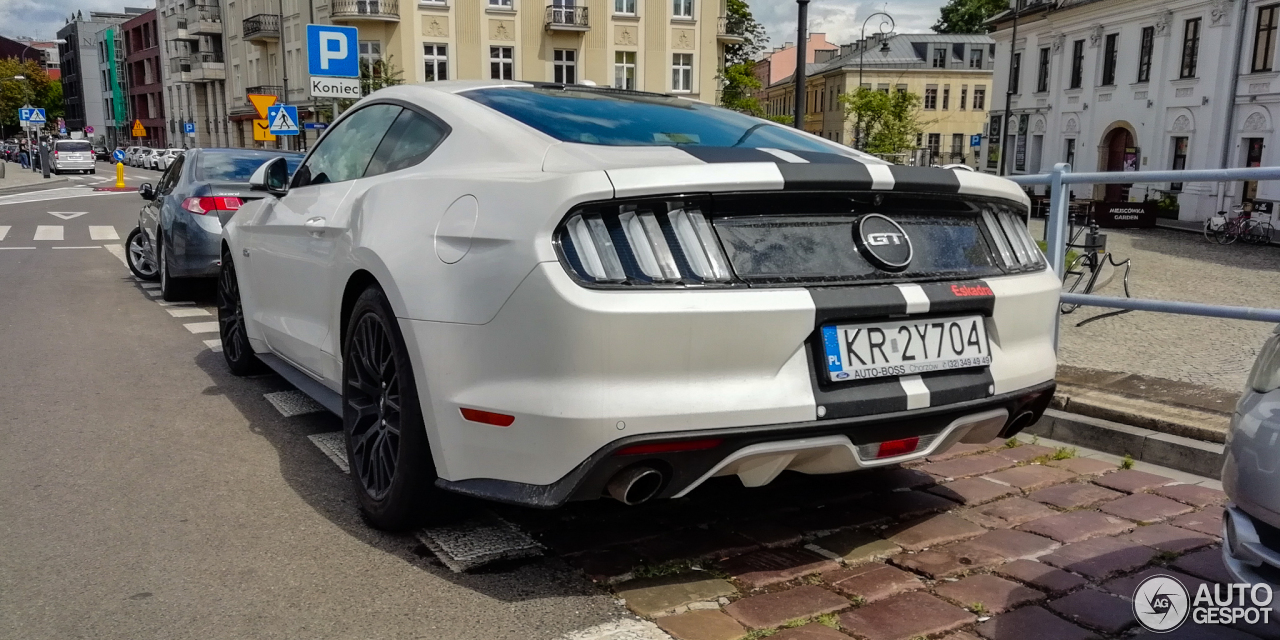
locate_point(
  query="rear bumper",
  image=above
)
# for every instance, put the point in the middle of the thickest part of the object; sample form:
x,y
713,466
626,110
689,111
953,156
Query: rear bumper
x,y
74,165
758,454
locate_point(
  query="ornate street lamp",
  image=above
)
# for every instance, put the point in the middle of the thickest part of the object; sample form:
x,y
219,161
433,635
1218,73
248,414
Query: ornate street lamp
x,y
862,49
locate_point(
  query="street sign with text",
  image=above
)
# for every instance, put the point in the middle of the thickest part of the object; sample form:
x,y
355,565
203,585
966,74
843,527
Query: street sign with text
x,y
189,128
139,131
348,88
332,51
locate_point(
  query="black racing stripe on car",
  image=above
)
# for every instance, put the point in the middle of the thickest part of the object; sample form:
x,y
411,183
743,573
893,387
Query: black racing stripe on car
x,y
824,158
820,176
924,179
950,387
853,303
719,155
970,296
863,398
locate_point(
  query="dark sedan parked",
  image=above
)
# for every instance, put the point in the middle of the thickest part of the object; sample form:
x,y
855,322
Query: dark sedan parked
x,y
180,225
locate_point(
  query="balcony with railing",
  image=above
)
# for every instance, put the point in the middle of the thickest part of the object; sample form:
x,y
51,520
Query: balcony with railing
x,y
356,10
202,66
730,32
567,18
204,19
264,27
264,90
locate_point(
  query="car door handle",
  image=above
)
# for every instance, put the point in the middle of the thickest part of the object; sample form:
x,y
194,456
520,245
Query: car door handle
x,y
315,226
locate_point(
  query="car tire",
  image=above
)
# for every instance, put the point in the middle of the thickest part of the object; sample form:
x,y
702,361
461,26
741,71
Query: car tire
x,y
135,255
171,289
383,424
236,349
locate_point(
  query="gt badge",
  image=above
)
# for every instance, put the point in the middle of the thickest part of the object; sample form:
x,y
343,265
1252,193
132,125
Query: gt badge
x,y
883,242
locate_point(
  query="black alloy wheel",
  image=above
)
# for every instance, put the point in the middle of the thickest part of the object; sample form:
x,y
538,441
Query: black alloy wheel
x,y
391,466
235,342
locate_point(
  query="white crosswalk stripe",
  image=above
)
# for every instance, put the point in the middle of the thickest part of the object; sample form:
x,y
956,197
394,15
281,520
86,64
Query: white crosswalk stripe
x,y
201,327
187,313
214,345
97,232
4,231
49,232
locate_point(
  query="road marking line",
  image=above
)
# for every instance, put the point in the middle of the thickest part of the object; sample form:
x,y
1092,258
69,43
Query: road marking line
x,y
117,250
153,292
48,232
4,231
173,304
54,194
199,327
90,247
187,313
14,248
103,233
150,285
334,446
214,345
292,403
624,629
67,215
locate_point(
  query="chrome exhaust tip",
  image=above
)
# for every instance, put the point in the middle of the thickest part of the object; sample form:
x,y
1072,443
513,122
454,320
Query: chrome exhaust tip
x,y
635,485
1022,421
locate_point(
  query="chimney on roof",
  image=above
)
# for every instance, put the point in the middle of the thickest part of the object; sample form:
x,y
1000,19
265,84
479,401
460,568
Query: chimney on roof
x,y
788,45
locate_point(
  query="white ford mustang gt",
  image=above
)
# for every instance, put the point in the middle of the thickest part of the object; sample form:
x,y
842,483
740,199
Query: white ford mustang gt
x,y
543,293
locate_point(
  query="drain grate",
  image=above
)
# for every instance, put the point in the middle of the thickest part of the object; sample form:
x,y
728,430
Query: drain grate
x,y
478,541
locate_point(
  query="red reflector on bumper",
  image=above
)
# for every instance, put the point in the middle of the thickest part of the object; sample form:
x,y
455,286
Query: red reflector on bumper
x,y
668,447
487,417
898,447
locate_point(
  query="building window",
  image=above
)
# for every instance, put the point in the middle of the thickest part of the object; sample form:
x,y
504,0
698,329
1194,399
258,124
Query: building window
x,y
370,58
435,58
1179,159
979,98
964,95
931,97
1109,59
975,58
627,7
502,4
1144,53
624,70
1042,72
1190,48
940,58
682,73
1077,64
935,145
1264,39
682,8
565,62
501,62
1016,73
946,96
957,145
1071,152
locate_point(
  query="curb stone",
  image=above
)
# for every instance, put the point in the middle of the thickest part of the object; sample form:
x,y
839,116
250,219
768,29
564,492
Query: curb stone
x,y
1176,452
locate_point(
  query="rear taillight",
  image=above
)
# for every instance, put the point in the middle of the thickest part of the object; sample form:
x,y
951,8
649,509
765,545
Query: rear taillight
x,y
654,242
206,204
895,448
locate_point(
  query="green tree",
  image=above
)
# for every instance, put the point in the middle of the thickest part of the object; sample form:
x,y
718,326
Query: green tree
x,y
35,89
738,80
889,121
968,16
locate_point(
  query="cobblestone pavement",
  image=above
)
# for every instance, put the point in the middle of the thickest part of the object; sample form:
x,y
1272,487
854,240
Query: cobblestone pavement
x,y
1175,265
984,542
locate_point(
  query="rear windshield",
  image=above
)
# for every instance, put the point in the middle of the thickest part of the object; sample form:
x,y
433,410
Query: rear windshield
x,y
73,145
615,118
238,166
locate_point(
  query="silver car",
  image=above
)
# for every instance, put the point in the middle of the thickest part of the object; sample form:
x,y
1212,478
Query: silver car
x,y
73,155
1251,475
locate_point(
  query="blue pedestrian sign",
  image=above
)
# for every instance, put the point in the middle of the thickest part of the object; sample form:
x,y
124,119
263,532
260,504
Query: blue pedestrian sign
x,y
282,120
975,140
118,155
31,116
189,128
332,51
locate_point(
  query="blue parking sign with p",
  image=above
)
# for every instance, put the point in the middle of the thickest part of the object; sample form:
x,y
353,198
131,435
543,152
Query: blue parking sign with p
x,y
332,51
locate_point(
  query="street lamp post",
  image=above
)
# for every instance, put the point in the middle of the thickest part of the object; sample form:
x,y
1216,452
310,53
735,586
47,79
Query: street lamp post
x,y
862,48
802,39
1008,96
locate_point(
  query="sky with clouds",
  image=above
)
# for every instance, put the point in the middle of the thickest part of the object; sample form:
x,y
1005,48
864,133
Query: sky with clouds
x,y
841,20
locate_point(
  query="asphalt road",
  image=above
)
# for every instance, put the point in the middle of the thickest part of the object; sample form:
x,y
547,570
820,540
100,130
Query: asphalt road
x,y
147,493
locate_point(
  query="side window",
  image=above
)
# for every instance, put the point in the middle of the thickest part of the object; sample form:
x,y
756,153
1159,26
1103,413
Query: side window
x,y
410,140
345,151
170,178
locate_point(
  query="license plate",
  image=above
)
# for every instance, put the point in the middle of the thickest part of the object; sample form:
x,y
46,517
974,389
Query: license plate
x,y
906,347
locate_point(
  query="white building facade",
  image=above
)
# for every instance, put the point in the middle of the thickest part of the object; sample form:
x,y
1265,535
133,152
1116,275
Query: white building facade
x,y
1115,85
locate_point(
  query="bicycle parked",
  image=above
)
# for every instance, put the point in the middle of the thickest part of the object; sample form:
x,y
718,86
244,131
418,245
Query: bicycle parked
x,y
1242,226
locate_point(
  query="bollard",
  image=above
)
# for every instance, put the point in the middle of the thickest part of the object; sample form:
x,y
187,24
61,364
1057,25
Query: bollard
x,y
119,175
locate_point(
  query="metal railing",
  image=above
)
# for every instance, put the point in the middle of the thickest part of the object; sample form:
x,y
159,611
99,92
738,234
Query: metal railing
x,y
726,28
205,13
381,9
261,25
1056,236
560,16
264,89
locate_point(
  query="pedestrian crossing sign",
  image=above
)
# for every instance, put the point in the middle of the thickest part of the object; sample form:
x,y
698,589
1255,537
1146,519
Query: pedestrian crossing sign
x,y
283,120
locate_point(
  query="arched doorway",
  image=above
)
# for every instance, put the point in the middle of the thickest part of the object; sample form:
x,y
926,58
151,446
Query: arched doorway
x,y
1114,144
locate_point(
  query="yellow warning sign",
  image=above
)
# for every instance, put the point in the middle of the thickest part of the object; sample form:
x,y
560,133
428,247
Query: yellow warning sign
x,y
260,103
139,131
262,131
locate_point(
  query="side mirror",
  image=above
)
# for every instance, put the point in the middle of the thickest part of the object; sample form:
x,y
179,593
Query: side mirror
x,y
272,177
147,191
